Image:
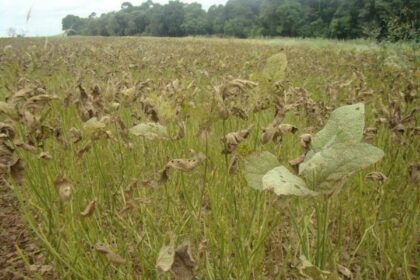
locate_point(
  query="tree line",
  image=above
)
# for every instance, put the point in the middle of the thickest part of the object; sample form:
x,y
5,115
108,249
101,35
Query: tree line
x,y
391,20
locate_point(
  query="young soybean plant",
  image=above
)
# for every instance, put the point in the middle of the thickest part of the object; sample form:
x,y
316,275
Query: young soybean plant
x,y
336,152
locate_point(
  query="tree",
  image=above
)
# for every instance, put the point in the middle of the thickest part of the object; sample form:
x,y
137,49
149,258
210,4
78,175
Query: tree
x,y
126,5
379,19
195,20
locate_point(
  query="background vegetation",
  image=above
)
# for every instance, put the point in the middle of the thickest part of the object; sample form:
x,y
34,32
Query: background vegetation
x,y
343,19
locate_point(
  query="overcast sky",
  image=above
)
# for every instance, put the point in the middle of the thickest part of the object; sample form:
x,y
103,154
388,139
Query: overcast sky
x,y
45,16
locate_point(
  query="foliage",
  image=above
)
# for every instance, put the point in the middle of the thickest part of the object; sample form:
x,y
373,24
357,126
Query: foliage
x,y
102,202
343,19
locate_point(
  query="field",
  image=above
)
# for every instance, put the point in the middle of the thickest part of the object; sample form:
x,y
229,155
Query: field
x,y
121,156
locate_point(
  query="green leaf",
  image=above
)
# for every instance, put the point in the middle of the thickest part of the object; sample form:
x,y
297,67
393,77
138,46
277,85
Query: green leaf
x,y
275,67
337,161
150,131
283,182
257,165
345,125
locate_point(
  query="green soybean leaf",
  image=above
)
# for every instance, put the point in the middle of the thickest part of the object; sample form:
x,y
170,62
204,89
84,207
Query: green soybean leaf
x,y
275,67
345,125
150,131
257,165
283,182
339,160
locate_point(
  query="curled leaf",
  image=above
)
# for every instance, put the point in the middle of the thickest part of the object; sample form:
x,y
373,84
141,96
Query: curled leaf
x,y
89,209
17,171
305,140
232,139
376,176
45,156
110,255
186,165
183,264
64,187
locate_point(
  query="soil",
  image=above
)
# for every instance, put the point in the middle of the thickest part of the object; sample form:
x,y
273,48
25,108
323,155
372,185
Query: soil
x,y
16,240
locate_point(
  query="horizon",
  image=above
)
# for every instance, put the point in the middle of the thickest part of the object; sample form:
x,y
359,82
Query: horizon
x,y
43,18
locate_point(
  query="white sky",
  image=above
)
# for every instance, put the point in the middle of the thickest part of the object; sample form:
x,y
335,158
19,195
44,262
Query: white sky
x,y
46,15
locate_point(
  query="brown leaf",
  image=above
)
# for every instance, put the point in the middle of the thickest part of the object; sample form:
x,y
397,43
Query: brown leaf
x,y
305,141
376,176
44,156
234,165
344,271
232,139
294,163
414,172
25,146
89,209
7,129
75,135
186,165
64,187
84,150
110,255
287,128
269,133
183,264
132,184
17,171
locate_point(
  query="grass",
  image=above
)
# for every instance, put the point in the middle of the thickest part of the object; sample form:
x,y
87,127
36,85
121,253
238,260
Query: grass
x,y
235,231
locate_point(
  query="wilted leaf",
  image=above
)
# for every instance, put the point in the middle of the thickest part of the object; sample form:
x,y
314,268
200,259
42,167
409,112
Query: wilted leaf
x,y
344,271
89,209
376,176
294,163
17,171
257,165
283,182
64,187
234,165
110,255
414,172
232,139
9,110
150,131
183,264
44,156
305,140
186,165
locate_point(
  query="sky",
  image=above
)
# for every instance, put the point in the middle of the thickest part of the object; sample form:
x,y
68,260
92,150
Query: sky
x,y
45,15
